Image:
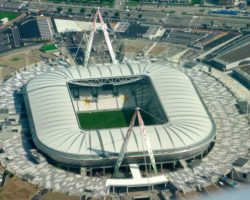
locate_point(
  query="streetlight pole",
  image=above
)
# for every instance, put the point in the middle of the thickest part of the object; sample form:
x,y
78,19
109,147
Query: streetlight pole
x,y
248,111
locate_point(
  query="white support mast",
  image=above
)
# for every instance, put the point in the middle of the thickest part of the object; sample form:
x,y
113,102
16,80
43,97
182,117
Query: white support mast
x,y
106,36
147,141
88,50
125,143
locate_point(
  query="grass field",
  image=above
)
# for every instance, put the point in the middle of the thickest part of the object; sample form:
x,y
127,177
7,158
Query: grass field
x,y
133,3
49,47
110,119
196,1
16,60
9,15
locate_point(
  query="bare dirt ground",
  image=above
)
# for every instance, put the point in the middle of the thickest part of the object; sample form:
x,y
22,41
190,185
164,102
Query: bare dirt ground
x,y
141,195
1,167
16,189
158,49
16,60
136,46
58,196
188,196
213,189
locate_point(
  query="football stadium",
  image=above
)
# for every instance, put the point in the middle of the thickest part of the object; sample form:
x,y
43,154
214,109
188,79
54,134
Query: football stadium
x,y
80,116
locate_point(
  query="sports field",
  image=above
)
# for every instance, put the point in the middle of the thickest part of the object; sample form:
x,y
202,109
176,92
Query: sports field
x,y
49,48
111,119
9,15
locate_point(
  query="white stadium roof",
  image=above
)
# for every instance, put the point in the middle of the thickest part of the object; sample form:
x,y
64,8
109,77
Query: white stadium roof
x,y
55,126
65,25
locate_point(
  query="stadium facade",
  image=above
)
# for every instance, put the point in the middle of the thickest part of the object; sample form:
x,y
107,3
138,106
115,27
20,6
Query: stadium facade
x,y
187,132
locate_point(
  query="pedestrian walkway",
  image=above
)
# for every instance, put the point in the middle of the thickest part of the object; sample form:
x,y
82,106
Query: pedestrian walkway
x,y
238,89
135,170
232,141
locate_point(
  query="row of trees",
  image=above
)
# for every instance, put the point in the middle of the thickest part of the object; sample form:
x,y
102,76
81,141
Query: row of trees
x,y
59,9
105,14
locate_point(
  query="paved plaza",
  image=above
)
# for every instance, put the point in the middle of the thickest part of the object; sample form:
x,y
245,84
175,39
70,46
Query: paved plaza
x,y
232,141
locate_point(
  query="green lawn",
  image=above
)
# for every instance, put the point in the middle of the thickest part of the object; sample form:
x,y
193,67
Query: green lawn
x,y
49,47
133,3
197,1
110,119
9,15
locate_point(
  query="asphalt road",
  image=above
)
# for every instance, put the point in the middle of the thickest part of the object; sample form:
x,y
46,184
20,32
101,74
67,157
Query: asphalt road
x,y
150,14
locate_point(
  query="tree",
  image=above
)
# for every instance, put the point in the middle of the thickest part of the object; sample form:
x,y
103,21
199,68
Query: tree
x,y
248,25
128,14
93,11
106,14
59,9
117,14
140,16
82,10
212,23
70,10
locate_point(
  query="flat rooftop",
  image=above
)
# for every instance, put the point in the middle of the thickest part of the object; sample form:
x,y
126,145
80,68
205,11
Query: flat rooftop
x,y
219,40
236,54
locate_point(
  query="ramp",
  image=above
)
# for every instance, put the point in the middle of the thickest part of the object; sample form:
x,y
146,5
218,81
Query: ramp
x,y
135,170
183,163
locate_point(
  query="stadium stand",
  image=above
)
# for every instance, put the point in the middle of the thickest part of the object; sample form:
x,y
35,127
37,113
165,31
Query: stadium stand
x,y
4,42
126,96
183,37
45,27
230,55
219,40
16,36
106,101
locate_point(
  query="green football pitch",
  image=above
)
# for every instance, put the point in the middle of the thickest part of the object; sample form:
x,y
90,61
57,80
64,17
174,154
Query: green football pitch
x,y
110,119
49,47
9,15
